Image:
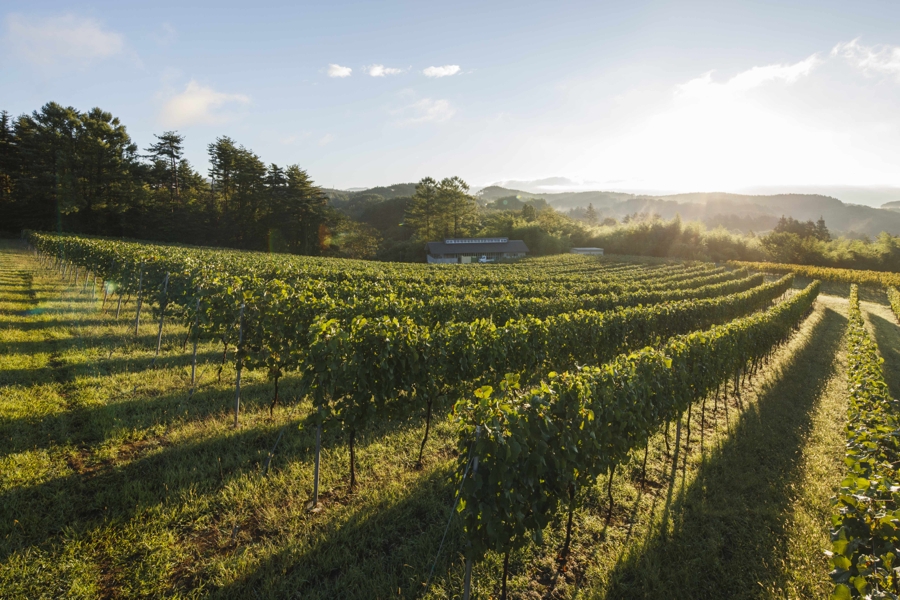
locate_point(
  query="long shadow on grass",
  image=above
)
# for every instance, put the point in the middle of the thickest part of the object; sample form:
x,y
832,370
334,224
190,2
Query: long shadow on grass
x,y
54,323
84,426
730,528
887,336
875,295
103,367
382,546
101,494
107,341
105,493
31,292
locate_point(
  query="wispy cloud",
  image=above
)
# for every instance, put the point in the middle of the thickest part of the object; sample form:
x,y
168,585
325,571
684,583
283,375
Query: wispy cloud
x,y
165,35
197,105
326,139
882,59
425,110
339,71
444,71
290,139
769,73
64,39
381,71
749,79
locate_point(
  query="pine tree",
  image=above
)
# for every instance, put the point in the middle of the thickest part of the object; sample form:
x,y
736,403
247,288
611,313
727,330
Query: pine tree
x,y
528,213
590,215
423,213
222,157
822,232
459,209
169,150
307,211
7,158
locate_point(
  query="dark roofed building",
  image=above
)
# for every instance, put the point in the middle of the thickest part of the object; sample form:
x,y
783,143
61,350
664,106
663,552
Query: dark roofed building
x,y
468,250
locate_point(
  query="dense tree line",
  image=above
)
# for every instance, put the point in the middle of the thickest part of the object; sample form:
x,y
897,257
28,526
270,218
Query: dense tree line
x,y
67,170
63,169
790,242
442,209
547,231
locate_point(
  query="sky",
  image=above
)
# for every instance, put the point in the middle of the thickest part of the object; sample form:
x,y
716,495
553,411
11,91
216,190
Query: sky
x,y
635,96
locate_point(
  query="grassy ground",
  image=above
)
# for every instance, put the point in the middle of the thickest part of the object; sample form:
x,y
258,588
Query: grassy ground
x,y
752,523
883,326
114,484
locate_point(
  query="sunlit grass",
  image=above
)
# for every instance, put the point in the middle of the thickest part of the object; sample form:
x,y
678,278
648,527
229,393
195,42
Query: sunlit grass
x,y
114,483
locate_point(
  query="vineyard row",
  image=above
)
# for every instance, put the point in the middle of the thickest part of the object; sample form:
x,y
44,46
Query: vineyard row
x,y
536,449
866,519
858,276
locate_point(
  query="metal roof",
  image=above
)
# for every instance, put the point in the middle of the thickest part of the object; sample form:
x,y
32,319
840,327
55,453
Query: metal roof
x,y
498,240
476,247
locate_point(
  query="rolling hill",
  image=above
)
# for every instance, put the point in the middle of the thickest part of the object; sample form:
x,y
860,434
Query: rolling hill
x,y
737,211
744,212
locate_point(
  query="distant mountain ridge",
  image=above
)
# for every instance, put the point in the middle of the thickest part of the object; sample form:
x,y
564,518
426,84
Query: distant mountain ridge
x,y
397,190
735,211
738,211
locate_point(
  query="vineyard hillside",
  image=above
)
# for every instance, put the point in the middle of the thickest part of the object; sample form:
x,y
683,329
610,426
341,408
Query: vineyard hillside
x,y
185,422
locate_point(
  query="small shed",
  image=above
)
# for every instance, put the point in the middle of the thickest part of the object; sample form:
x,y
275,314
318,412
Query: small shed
x,y
469,250
588,251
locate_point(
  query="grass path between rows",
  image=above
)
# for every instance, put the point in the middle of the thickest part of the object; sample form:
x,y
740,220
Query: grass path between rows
x,y
113,484
882,323
753,522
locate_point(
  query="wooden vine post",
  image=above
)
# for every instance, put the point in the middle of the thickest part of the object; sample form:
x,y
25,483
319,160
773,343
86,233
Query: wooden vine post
x,y
194,357
565,549
112,263
137,317
428,408
352,459
315,500
162,313
237,382
467,578
505,574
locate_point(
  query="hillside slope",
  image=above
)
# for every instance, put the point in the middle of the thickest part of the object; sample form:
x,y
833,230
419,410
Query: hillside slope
x,y
743,212
738,211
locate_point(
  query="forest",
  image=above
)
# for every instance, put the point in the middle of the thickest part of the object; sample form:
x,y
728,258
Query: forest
x,y
67,170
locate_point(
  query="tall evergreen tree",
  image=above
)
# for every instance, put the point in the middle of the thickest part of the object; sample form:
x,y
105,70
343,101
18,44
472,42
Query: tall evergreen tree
x,y
47,184
590,215
169,150
459,209
307,212
529,213
222,158
424,212
104,161
7,160
822,232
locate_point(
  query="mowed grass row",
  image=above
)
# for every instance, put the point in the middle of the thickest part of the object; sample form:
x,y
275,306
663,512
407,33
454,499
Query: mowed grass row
x,y
116,484
113,483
